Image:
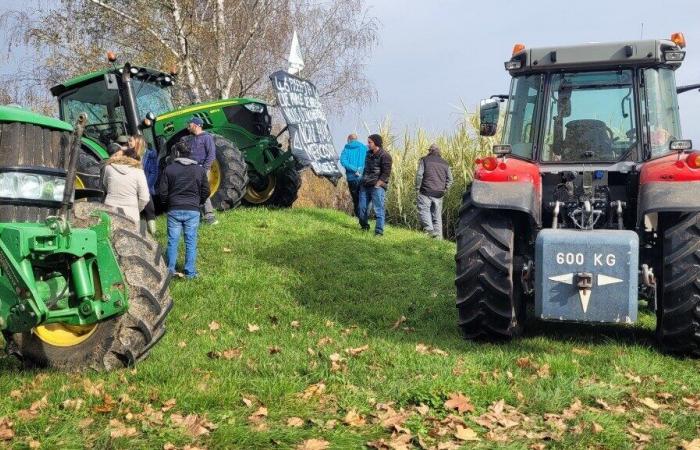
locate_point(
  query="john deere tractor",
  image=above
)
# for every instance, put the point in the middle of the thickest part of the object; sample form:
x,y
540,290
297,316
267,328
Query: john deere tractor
x,y
250,166
590,202
80,287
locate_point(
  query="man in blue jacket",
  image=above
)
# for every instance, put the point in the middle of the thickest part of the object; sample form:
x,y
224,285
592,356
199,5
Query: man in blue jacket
x,y
203,151
353,160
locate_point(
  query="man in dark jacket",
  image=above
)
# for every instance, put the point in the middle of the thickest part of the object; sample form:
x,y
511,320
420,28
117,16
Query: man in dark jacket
x,y
433,179
203,151
183,189
353,160
375,180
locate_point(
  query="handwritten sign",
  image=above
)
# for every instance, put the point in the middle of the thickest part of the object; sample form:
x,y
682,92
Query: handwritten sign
x,y
311,140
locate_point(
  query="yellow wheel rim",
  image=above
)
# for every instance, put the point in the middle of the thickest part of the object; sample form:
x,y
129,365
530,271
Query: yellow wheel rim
x,y
78,183
62,335
257,197
214,178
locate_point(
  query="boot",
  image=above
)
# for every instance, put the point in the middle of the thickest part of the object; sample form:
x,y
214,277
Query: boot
x,y
151,227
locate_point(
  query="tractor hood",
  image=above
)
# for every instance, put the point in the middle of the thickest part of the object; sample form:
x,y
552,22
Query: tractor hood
x,y
207,107
17,114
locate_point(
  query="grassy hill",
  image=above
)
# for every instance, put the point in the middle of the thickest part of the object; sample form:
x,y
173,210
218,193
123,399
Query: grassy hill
x,y
301,327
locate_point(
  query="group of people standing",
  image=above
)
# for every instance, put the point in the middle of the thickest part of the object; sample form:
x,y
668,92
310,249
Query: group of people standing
x,y
131,181
368,169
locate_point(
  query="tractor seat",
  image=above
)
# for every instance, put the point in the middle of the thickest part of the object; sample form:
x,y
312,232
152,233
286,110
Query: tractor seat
x,y
587,139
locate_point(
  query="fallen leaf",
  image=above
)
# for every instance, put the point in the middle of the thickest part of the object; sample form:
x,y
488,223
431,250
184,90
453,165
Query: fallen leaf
x,y
596,428
692,445
6,432
639,437
313,444
107,405
34,444
274,350
543,371
72,404
226,250
330,424
168,405
356,351
93,389
214,354
119,430
295,422
664,395
523,362
182,344
33,411
16,394
353,419
261,412
650,403
294,324
398,322
214,325
248,402
337,362
232,353
458,401
313,390
465,434
324,341
428,350
581,351
634,378
422,409
86,422
193,424
329,323
252,328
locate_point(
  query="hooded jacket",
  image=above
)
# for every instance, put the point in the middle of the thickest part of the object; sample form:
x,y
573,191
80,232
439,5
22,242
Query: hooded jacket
x,y
125,184
183,185
353,159
377,168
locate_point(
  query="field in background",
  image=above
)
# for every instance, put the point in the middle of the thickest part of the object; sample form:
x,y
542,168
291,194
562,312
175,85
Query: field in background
x,y
460,149
303,332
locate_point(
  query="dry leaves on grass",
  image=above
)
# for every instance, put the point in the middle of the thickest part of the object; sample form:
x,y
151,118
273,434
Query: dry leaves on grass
x,y
228,354
338,363
214,325
193,424
465,434
119,430
33,411
313,444
459,402
542,371
428,350
72,404
6,432
274,350
650,403
295,324
253,328
356,351
692,445
314,390
692,402
398,323
295,422
106,406
168,405
398,441
93,389
353,419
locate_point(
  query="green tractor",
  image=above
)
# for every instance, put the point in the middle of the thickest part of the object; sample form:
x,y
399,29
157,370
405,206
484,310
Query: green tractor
x,y
251,167
80,287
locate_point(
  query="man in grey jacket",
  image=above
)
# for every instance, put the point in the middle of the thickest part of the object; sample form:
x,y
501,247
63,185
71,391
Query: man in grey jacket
x,y
433,179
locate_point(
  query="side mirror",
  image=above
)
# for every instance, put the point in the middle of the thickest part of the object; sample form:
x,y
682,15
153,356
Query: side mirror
x,y
148,120
488,117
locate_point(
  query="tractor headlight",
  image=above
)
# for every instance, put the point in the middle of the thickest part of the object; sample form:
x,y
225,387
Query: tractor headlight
x,y
32,185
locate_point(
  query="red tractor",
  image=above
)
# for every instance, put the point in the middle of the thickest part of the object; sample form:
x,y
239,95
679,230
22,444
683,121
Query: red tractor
x,y
591,201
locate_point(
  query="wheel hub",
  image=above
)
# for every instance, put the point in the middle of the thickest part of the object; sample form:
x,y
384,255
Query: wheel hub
x,y
62,335
214,178
260,189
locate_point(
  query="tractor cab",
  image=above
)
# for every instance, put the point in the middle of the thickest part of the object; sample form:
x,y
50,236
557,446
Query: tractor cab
x,y
115,104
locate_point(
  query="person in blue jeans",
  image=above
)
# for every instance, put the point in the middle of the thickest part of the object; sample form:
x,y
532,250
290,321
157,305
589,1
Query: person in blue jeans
x,y
375,181
183,188
353,160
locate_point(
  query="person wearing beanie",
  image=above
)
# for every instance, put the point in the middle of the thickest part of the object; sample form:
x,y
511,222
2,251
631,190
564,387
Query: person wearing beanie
x,y
353,160
375,181
203,150
433,179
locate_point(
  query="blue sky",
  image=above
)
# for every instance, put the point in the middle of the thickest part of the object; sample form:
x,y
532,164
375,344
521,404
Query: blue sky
x,y
435,55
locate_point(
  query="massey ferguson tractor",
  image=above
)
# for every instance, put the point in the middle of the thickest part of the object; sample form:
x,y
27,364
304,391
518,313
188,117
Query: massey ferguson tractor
x,y
250,166
80,287
590,202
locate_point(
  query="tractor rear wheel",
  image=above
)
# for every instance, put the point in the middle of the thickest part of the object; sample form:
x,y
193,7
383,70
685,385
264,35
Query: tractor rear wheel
x,y
118,341
228,176
488,307
279,189
678,308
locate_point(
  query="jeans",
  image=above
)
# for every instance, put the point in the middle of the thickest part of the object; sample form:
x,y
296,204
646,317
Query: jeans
x,y
430,214
375,195
354,188
177,221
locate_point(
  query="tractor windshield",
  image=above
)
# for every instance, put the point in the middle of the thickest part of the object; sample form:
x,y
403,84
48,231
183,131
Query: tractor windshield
x,y
590,117
662,109
106,120
152,96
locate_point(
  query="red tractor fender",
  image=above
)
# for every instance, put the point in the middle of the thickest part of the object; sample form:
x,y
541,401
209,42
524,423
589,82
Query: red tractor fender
x,y
514,185
668,184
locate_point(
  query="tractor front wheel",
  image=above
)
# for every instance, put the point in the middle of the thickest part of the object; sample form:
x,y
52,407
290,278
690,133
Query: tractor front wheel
x,y
279,189
678,308
119,341
488,307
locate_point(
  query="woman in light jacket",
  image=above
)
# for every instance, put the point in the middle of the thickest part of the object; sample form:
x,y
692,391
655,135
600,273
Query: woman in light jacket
x,y
125,184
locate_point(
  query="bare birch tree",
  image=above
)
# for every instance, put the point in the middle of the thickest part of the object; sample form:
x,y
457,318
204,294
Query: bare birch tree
x,y
224,48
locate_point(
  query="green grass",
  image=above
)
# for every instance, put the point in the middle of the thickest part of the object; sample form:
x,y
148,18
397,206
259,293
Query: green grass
x,y
270,268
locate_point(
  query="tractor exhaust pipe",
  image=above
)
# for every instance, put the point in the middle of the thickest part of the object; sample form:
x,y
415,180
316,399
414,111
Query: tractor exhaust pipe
x,y
129,102
74,150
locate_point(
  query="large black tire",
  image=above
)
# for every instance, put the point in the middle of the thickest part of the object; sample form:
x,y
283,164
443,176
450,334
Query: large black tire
x,y
488,307
123,340
234,175
287,187
678,309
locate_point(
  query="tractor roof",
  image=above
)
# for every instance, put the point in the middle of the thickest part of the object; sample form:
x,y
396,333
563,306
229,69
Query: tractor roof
x,y
625,54
92,76
17,114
